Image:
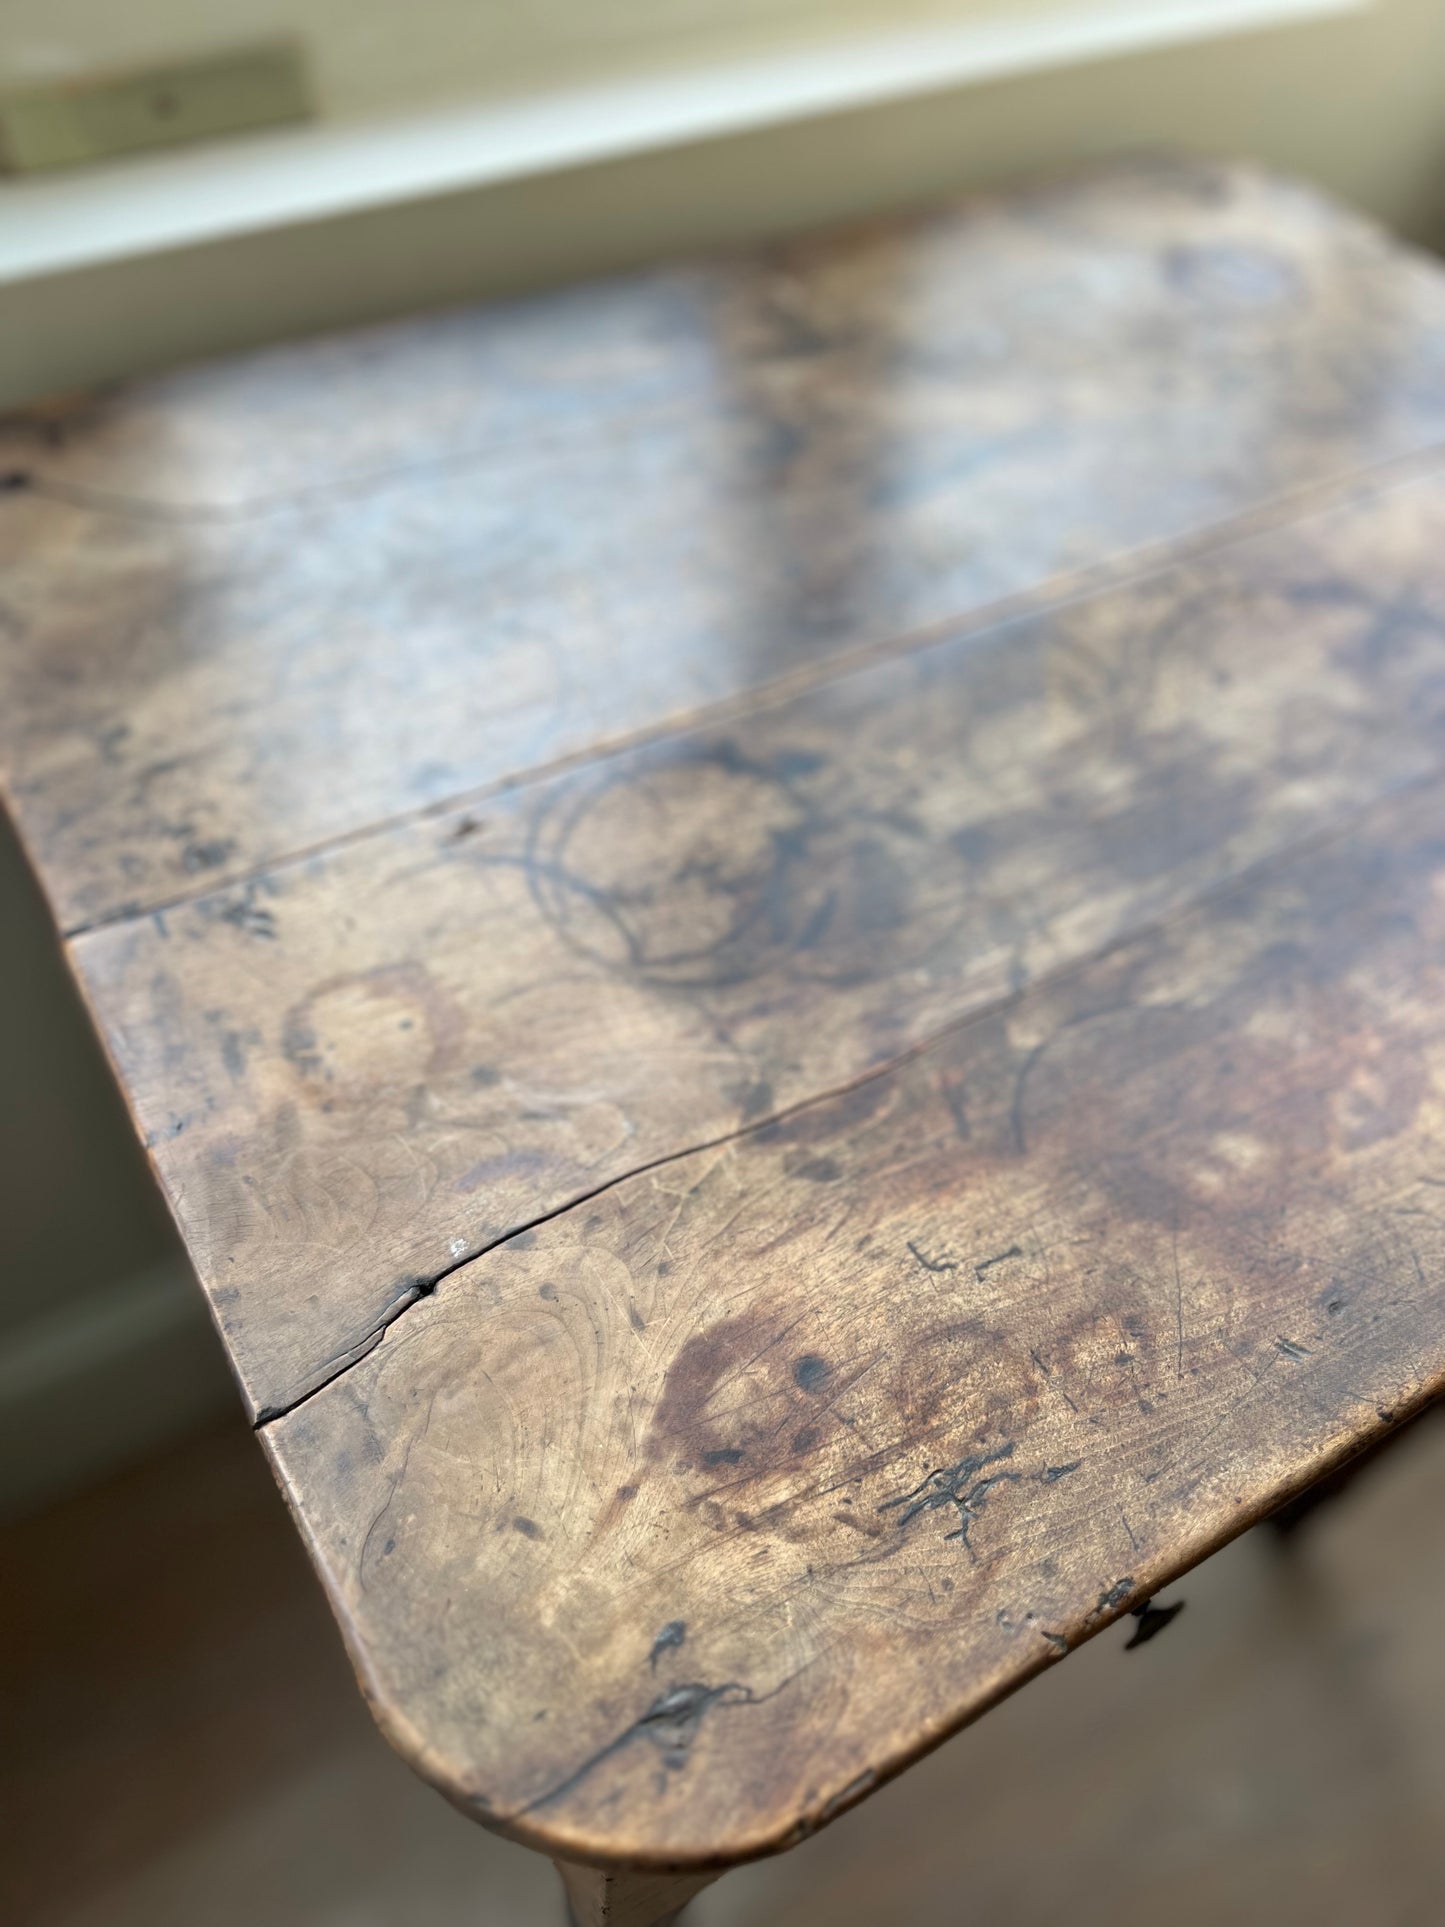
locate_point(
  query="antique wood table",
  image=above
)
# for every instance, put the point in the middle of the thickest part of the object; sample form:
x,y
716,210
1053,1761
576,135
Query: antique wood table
x,y
778,928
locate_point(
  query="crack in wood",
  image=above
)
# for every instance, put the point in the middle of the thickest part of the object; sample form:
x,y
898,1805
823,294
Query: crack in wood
x,y
671,1724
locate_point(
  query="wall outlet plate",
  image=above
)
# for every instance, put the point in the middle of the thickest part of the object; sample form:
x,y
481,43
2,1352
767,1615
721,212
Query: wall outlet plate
x,y
69,123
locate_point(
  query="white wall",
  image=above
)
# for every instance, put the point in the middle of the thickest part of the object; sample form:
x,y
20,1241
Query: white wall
x,y
372,58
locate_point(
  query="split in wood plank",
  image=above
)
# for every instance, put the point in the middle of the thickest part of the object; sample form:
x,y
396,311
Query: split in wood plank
x,y
357,1073
666,1530
254,608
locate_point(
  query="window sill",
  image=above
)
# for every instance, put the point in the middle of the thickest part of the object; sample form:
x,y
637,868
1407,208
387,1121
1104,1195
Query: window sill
x,y
212,249
198,196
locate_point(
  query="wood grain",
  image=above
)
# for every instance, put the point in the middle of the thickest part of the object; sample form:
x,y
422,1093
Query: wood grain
x,y
356,1072
251,609
868,1133
667,1529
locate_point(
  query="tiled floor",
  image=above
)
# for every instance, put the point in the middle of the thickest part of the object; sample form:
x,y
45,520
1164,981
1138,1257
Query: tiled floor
x,y
181,1744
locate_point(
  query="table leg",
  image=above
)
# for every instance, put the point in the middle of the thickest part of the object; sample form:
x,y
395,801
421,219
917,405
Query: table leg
x,y
624,1899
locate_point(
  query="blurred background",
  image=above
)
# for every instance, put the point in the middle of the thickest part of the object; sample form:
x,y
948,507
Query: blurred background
x,y
184,178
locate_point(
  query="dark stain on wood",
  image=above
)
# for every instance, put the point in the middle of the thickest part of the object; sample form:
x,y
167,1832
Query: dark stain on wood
x,y
921,1089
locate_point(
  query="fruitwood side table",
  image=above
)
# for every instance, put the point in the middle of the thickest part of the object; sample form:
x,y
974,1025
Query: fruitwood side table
x,y
778,928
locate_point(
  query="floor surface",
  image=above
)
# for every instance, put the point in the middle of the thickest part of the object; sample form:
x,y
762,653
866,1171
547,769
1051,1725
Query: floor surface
x,y
181,1744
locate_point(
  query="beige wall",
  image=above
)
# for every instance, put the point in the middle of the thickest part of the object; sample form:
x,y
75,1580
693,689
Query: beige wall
x,y
369,59
105,1349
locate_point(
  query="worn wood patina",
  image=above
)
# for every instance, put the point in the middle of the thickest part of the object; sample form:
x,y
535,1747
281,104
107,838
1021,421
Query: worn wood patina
x,y
360,1069
778,932
265,605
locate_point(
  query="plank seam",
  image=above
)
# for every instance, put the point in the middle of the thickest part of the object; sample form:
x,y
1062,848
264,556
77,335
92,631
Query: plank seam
x,y
1338,829
1130,568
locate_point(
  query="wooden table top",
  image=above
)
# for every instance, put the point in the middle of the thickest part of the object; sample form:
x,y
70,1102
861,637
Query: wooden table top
x,y
779,931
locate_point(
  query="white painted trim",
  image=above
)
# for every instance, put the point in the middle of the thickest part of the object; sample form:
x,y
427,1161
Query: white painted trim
x,y
187,198
92,1384
42,1354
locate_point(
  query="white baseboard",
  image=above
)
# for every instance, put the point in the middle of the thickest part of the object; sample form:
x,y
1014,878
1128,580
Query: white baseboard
x,y
100,1381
